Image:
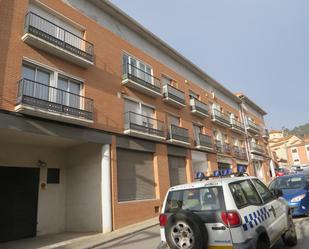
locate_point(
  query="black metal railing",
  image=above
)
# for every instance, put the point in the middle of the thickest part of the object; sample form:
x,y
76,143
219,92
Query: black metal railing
x,y
227,148
221,116
53,99
144,124
218,145
237,125
204,141
253,126
257,148
58,36
174,94
141,77
178,133
199,106
239,152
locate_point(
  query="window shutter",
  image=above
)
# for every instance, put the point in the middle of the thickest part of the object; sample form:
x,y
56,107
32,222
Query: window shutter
x,y
135,175
177,170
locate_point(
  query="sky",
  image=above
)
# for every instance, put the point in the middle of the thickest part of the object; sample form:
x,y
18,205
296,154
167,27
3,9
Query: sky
x,y
258,47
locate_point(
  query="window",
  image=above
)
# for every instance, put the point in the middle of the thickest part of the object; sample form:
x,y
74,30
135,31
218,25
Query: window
x,y
264,192
226,138
70,96
244,194
193,95
197,130
141,113
135,175
307,148
293,182
48,85
137,68
199,199
173,120
37,81
168,81
294,151
177,170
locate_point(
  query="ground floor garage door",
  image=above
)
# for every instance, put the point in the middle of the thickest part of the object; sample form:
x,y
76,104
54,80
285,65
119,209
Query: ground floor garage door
x,y
19,201
177,170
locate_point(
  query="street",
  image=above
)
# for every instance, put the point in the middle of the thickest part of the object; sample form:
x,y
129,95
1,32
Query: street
x,y
150,238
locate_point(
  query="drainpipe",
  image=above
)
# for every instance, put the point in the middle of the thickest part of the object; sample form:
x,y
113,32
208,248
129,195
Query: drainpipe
x,y
106,189
247,138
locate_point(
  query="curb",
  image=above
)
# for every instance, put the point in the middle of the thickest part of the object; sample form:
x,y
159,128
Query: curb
x,y
101,239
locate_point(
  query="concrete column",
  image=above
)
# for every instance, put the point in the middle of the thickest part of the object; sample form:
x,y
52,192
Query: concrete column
x,y
106,190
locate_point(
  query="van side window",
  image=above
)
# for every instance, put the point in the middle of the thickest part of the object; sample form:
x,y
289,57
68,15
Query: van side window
x,y
244,194
264,192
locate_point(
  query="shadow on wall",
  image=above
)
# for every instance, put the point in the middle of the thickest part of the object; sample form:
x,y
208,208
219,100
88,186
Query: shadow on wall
x,y
6,19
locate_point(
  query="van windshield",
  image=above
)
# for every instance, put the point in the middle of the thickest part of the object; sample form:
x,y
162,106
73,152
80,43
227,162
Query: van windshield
x,y
197,200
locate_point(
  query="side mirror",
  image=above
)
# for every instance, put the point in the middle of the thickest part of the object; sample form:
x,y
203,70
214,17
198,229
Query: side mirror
x,y
277,192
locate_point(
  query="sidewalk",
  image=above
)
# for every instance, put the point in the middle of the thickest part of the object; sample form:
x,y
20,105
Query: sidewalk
x,y
77,240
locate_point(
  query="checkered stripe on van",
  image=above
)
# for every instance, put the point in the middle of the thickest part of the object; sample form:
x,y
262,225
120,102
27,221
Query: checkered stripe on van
x,y
255,218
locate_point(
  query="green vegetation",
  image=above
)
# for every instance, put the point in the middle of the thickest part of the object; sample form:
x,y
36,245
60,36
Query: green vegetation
x,y
300,131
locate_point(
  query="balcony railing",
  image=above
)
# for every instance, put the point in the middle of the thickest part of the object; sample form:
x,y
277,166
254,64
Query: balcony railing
x,y
173,95
218,146
58,36
198,107
237,126
141,80
136,123
252,127
52,99
204,141
257,148
221,118
177,133
227,148
239,152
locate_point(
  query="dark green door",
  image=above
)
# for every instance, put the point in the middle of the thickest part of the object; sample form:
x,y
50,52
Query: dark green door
x,y
19,200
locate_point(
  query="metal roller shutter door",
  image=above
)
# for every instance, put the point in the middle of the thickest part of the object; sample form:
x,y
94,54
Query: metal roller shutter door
x,y
177,170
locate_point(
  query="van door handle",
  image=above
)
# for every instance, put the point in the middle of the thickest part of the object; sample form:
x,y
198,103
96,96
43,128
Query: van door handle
x,y
219,228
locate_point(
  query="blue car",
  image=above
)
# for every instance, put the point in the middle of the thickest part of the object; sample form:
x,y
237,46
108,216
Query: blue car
x,y
295,189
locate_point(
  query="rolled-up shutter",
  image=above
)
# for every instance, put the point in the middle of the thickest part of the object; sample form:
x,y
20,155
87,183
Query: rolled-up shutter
x,y
135,175
177,170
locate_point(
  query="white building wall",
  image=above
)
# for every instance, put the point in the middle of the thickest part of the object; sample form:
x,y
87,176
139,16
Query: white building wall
x,y
84,202
51,201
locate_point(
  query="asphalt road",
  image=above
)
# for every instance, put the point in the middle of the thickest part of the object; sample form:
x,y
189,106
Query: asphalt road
x,y
150,238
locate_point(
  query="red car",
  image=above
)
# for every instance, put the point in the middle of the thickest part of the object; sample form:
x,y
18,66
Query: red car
x,y
282,171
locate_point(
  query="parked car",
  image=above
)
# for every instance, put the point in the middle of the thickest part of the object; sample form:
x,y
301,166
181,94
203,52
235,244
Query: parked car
x,y
231,212
282,171
295,190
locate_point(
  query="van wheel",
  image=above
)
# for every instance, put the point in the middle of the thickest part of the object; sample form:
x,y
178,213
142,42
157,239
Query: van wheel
x,y
263,242
290,236
185,230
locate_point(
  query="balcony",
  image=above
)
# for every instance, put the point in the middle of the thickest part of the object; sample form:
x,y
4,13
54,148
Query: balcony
x,y
50,102
227,149
143,126
239,153
204,142
45,35
238,126
252,127
219,146
178,135
199,108
220,118
135,78
257,149
173,96
265,134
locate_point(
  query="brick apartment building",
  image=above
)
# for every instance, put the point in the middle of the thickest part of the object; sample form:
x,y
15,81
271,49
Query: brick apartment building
x,y
298,154
99,117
